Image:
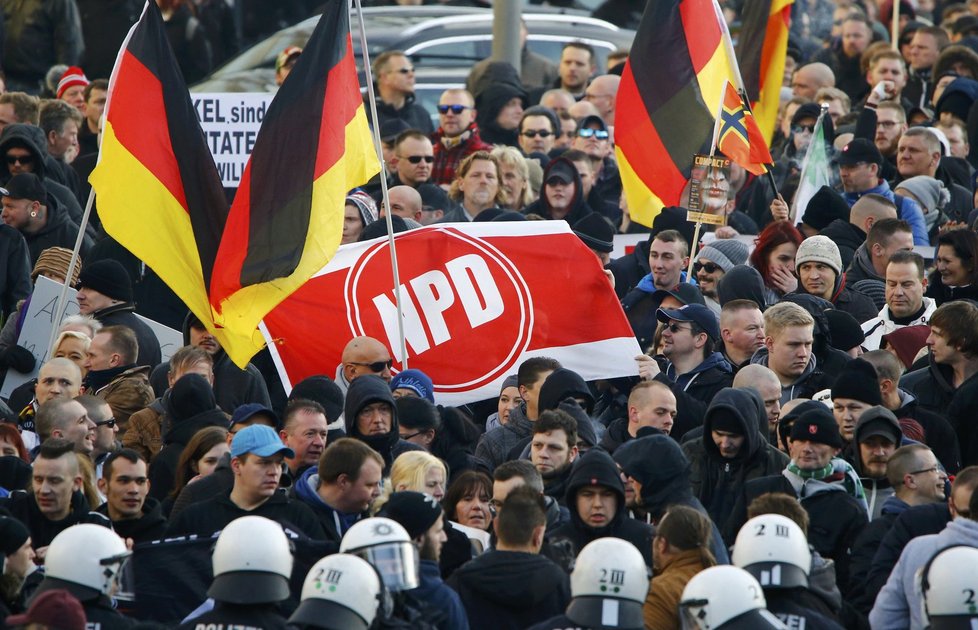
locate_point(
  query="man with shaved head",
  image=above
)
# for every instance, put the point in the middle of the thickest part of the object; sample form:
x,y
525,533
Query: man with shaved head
x,y
405,203
58,378
601,93
765,382
810,78
363,355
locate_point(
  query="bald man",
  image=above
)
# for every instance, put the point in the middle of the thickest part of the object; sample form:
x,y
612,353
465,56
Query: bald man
x,y
810,78
849,235
582,109
601,93
363,355
405,203
765,382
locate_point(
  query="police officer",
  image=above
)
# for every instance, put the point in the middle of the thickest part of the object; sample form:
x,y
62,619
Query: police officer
x,y
608,587
341,592
774,549
252,563
948,584
725,598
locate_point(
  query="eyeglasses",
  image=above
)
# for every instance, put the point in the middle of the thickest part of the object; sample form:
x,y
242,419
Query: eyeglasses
x,y
408,436
416,159
600,134
19,159
674,328
801,128
106,423
407,70
455,109
926,470
376,366
533,133
708,267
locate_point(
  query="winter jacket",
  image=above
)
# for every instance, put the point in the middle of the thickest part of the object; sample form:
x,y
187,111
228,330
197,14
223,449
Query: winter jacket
x,y
596,468
714,478
37,35
847,238
510,590
875,328
861,267
792,607
907,209
23,507
150,526
661,609
579,206
630,268
15,282
449,152
898,605
220,482
113,18
616,435
865,547
942,294
251,616
144,433
495,445
190,45
933,386
495,88
860,306
163,469
126,394
124,315
811,381
437,595
209,517
333,522
413,113
363,391
695,389
939,434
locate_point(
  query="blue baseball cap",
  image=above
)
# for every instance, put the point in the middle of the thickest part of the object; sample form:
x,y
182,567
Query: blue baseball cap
x,y
696,313
259,439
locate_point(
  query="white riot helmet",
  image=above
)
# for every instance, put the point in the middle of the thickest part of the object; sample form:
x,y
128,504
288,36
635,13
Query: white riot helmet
x,y
608,585
385,544
774,550
87,560
341,592
725,597
252,562
949,585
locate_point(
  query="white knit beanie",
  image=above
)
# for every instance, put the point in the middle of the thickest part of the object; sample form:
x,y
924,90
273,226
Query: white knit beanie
x,y
819,249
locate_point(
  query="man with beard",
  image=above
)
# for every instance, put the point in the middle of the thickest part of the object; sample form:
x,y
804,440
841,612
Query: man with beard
x,y
553,449
891,122
476,188
876,437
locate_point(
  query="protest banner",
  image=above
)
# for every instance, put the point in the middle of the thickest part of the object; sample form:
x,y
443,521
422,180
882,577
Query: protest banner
x,y
477,300
230,123
39,320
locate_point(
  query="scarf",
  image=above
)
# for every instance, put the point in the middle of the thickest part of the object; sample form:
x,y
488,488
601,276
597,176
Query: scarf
x,y
97,379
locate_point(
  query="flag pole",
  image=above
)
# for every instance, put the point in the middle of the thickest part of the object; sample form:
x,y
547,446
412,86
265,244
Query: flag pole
x,y
713,150
383,182
59,310
895,25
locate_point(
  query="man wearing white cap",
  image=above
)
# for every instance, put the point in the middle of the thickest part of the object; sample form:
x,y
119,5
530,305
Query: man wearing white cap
x,y
819,267
713,261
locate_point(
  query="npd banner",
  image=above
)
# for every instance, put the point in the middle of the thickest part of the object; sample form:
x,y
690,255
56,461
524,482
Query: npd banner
x,y
477,300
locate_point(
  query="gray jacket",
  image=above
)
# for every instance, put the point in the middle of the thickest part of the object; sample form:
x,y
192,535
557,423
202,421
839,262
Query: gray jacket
x,y
495,445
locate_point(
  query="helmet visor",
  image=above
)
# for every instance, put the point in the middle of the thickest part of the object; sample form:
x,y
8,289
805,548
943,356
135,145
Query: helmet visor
x,y
397,564
691,612
119,576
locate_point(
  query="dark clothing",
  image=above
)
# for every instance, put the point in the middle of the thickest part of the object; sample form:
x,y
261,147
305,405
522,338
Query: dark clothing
x,y
333,522
37,35
495,88
15,283
438,597
939,435
510,590
811,381
111,19
416,116
714,478
190,45
578,206
366,390
250,616
596,468
150,526
616,435
789,605
848,75
214,485
23,507
163,470
207,518
942,294
58,231
695,389
102,616
933,386
124,315
864,549
860,306
862,268
629,269
847,238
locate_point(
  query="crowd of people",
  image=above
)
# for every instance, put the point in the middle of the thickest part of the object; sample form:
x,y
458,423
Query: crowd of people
x,y
798,448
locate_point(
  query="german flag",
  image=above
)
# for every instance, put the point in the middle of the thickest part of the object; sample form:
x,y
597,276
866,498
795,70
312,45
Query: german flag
x,y
761,49
738,137
667,100
314,145
159,192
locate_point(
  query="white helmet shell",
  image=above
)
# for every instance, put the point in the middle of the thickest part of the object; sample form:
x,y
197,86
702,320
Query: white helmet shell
x,y
725,597
949,585
88,556
609,584
252,562
773,549
341,592
386,545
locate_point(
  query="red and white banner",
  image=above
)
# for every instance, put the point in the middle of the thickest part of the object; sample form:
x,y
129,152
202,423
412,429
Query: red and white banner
x,y
478,299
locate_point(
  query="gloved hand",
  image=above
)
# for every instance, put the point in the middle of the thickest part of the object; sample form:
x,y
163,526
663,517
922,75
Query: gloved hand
x,y
18,358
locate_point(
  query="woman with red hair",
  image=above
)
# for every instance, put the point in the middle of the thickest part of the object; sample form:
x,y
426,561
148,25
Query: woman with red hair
x,y
11,443
774,258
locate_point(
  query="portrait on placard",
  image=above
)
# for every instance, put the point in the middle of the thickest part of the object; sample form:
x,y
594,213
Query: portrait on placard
x,y
709,189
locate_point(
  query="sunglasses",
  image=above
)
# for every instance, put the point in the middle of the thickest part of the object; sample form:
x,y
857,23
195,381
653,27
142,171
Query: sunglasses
x,y
376,366
675,328
416,159
455,109
707,267
801,128
533,133
600,134
19,159
106,423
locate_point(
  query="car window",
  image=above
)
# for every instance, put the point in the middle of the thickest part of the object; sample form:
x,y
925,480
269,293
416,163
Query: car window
x,y
451,51
550,46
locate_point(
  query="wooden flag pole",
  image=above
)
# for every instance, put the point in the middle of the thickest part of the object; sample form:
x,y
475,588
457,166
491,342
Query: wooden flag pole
x,y
62,304
383,183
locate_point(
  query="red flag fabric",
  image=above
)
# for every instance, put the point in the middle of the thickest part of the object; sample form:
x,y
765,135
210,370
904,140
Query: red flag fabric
x,y
478,299
739,137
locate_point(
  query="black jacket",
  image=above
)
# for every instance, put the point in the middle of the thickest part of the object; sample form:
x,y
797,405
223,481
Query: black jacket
x,y
864,549
15,282
363,391
847,237
941,293
163,470
510,590
38,35
616,435
579,206
939,434
124,315
793,607
694,393
933,387
209,517
497,86
416,116
596,468
23,507
629,269
150,526
251,616
716,479
216,484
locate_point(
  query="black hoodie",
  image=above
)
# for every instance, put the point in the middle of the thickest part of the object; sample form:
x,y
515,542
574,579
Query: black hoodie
x,y
150,526
579,206
741,283
713,477
363,391
498,85
596,468
510,590
23,507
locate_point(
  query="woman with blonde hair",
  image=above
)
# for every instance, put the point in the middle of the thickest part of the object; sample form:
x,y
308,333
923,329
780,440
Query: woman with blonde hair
x,y
419,471
73,345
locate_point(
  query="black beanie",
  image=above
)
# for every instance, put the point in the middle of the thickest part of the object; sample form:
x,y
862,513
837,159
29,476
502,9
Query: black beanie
x,y
15,473
846,331
858,381
191,395
13,535
415,511
109,278
825,206
817,425
724,419
323,390
585,429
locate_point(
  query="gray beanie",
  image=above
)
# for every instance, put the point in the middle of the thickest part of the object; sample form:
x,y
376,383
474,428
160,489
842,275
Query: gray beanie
x,y
725,252
929,192
821,249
